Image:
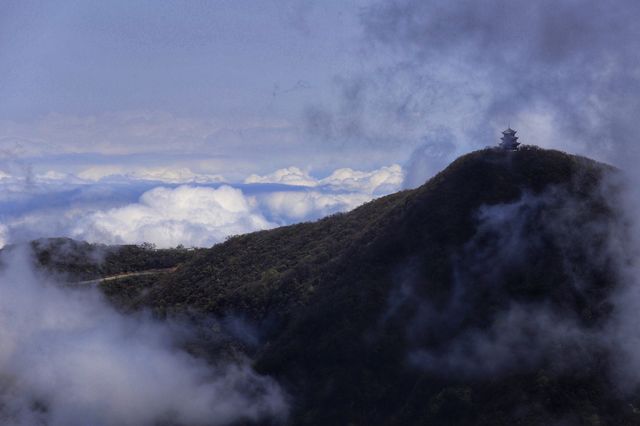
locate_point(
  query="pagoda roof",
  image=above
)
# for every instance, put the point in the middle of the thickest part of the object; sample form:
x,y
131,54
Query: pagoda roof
x,y
509,131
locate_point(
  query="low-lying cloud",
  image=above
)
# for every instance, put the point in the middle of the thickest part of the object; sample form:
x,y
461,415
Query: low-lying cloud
x,y
67,358
150,205
548,280
380,181
162,174
288,207
168,217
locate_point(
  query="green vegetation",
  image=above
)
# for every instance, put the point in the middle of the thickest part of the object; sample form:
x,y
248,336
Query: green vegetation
x,y
322,296
84,261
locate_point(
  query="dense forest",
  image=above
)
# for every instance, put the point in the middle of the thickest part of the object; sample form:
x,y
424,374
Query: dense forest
x,y
482,297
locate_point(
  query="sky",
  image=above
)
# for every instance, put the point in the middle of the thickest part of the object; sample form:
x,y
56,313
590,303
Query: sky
x,y
213,85
292,108
186,122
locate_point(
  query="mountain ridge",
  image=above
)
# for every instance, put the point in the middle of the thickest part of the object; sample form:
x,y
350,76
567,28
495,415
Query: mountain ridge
x,y
413,308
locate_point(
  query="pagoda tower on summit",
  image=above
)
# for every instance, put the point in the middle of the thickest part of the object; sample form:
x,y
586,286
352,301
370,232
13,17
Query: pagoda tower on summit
x,y
509,140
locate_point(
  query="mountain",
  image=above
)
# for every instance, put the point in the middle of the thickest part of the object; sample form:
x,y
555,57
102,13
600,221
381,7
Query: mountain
x,y
487,296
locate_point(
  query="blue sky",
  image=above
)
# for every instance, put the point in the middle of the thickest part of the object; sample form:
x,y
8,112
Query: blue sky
x,y
96,93
187,121
198,78
195,58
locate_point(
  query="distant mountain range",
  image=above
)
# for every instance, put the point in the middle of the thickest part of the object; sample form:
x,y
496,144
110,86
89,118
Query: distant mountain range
x,y
483,297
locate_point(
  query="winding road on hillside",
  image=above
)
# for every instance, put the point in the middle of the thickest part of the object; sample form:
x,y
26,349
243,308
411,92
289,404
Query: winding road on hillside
x,y
126,275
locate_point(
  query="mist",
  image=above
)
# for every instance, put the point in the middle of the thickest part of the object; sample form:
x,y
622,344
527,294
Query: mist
x,y
69,358
439,79
498,319
446,78
188,124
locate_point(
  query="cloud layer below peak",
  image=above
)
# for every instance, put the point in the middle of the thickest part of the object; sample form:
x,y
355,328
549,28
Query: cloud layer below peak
x,y
159,208
197,216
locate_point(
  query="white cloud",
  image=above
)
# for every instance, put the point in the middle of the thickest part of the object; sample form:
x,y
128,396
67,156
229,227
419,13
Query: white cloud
x,y
294,206
341,191
3,235
180,175
68,358
116,205
96,173
119,143
194,216
162,174
288,176
383,180
55,177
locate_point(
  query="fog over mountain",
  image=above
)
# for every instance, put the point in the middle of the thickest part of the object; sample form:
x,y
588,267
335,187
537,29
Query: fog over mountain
x,y
69,358
285,212
504,287
446,77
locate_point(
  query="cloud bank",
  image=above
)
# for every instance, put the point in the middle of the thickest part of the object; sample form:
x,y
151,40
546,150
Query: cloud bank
x,y
168,217
109,206
67,358
289,207
380,181
343,190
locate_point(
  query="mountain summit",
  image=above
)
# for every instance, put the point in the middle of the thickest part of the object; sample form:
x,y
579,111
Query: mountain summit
x,y
490,295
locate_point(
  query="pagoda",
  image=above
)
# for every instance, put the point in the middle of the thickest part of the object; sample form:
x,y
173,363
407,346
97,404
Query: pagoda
x,y
509,140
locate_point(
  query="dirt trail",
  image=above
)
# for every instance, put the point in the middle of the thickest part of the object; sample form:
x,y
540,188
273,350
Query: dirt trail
x,y
127,275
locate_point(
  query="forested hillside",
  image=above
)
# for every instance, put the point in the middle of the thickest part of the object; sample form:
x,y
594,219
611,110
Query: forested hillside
x,y
486,296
